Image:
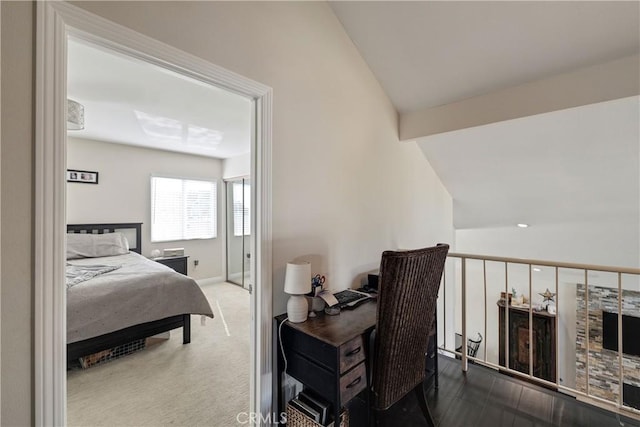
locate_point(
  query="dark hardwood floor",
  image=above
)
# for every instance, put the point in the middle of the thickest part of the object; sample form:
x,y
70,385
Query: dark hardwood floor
x,y
486,398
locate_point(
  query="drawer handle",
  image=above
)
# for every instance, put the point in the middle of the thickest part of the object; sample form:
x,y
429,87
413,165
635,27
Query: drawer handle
x,y
354,382
353,352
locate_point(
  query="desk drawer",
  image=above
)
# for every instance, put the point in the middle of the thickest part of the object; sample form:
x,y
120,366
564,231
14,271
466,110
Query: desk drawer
x,y
313,349
352,383
312,375
351,353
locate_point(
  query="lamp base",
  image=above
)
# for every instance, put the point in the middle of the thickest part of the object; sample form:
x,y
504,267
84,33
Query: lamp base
x,y
297,308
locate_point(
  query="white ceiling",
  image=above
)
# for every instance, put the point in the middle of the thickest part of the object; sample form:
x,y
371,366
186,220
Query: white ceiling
x,y
132,102
430,53
580,164
575,165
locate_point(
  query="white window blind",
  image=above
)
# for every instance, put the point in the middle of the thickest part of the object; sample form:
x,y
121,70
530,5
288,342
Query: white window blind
x,y
183,209
241,209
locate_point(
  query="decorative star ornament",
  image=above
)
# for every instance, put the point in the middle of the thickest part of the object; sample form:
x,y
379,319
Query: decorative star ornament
x,y
548,296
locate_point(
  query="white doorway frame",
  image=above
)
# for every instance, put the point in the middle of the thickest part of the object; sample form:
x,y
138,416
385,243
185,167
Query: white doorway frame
x,y
55,22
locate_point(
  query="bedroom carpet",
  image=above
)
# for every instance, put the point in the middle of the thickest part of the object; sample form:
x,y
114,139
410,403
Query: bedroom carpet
x,y
204,383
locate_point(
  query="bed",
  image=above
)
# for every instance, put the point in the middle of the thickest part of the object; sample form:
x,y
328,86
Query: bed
x,y
116,296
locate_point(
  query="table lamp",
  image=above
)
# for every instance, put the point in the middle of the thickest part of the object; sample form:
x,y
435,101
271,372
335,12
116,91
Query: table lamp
x,y
297,283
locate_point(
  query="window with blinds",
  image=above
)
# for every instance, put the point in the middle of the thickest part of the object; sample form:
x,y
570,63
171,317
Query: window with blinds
x,y
241,209
183,209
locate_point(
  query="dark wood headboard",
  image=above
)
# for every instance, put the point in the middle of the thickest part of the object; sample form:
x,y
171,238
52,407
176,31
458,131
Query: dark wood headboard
x,y
124,228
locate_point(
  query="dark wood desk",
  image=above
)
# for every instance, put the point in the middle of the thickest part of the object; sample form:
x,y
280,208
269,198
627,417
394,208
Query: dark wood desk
x,y
328,354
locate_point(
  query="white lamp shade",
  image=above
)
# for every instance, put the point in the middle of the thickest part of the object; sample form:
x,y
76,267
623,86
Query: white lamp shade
x,y
298,278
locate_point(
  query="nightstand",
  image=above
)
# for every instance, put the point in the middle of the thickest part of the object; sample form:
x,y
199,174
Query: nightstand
x,y
178,263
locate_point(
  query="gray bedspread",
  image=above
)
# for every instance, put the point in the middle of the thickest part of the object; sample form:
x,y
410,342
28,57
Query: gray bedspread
x,y
140,291
81,273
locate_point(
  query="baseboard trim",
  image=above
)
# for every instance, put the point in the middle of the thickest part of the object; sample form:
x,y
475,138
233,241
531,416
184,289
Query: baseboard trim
x,y
209,281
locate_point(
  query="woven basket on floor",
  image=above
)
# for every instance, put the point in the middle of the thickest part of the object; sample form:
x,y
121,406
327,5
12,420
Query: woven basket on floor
x,y
295,418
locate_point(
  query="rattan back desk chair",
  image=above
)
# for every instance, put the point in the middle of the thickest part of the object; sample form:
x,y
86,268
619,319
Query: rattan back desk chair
x,y
408,290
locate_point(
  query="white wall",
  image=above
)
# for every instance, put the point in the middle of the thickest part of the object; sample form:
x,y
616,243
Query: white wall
x,y
17,233
613,243
344,187
123,194
237,167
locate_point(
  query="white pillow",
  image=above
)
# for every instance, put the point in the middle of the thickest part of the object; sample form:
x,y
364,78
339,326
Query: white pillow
x,y
81,245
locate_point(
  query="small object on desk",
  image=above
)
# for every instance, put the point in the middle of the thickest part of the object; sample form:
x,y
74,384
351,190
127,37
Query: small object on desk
x,y
368,290
350,298
328,297
317,283
316,304
372,279
332,310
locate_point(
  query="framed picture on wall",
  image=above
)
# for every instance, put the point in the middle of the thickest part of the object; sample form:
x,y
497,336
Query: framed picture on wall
x,y
84,177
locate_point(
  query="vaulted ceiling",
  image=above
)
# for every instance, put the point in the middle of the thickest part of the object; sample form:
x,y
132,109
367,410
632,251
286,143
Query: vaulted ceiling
x,y
571,164
430,53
